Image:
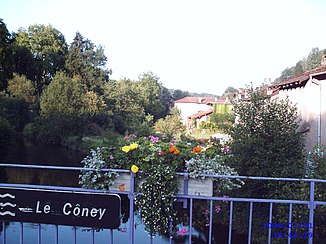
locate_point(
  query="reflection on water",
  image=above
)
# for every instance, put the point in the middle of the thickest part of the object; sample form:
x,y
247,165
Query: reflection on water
x,y
25,153
84,235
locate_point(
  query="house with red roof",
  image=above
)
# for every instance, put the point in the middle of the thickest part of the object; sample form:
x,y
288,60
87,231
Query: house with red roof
x,y
196,109
308,93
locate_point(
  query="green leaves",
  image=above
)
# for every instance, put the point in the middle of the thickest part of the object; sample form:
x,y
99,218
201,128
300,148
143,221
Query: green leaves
x,y
48,49
87,61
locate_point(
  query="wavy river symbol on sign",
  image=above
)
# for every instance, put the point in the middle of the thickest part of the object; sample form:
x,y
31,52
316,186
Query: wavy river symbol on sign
x,y
7,204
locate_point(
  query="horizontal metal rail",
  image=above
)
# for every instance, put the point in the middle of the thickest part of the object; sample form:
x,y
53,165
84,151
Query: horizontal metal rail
x,y
178,173
311,203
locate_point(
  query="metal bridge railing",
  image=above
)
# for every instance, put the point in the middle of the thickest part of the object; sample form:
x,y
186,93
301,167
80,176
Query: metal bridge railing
x,y
311,204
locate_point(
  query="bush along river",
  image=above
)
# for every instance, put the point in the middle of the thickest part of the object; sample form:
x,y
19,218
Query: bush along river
x,y
25,153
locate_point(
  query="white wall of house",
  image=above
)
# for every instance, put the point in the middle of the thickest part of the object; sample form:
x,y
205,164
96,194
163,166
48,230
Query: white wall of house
x,y
188,109
311,103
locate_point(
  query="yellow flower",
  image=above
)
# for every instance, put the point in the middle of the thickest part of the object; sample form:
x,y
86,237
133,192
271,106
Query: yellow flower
x,y
134,169
126,149
133,146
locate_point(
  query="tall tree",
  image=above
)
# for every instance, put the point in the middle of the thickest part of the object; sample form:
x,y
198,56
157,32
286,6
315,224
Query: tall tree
x,y
285,75
87,61
6,60
150,93
66,105
313,59
229,92
48,48
123,99
298,68
178,94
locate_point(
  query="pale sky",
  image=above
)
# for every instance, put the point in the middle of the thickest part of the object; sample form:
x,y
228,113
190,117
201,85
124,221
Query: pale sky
x,y
196,46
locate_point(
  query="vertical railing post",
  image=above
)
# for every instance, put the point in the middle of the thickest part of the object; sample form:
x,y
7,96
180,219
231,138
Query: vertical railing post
x,y
210,221
111,236
250,223
270,220
311,211
39,240
190,222
131,210
230,223
21,233
4,241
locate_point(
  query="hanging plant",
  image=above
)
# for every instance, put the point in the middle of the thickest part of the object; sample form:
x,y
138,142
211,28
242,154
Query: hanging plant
x,y
155,199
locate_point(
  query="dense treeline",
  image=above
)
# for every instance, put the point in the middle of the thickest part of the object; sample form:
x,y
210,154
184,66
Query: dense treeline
x,y
312,61
51,90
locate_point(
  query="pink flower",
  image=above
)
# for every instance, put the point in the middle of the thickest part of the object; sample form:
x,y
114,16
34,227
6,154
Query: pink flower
x,y
124,230
207,224
182,231
110,157
226,149
218,208
153,139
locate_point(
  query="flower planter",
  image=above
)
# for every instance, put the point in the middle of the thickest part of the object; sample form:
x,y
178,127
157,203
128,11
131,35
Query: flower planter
x,y
121,183
196,187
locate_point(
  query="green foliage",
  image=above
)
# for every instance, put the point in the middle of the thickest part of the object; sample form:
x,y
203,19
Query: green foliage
x,y
62,98
178,94
171,126
6,60
223,117
19,86
6,135
230,89
222,122
150,91
312,61
95,179
229,92
265,141
122,98
207,125
216,166
319,172
66,107
223,108
15,110
87,61
48,48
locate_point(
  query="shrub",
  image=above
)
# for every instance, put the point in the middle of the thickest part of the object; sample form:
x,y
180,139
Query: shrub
x,y
6,135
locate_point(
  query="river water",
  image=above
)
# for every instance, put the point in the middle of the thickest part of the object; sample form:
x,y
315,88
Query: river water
x,y
24,153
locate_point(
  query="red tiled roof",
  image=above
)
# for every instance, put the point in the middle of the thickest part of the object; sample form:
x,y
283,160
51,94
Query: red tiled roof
x,y
200,114
198,100
299,80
